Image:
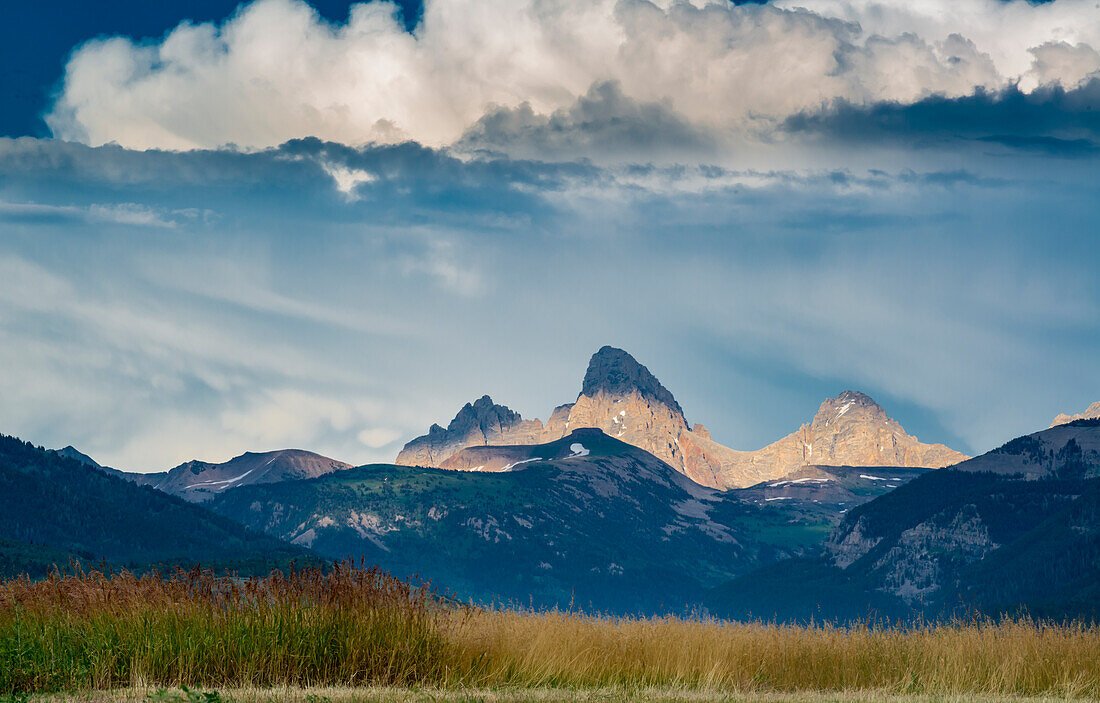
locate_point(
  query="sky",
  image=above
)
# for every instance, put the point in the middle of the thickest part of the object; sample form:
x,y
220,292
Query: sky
x,y
229,228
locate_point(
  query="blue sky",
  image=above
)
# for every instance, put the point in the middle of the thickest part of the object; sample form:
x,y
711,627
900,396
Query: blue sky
x,y
36,40
277,225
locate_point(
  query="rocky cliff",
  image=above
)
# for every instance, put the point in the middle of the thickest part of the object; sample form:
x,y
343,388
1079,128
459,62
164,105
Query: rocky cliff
x,y
621,397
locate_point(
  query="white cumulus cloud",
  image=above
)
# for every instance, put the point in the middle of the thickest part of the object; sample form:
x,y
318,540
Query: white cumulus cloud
x,y
276,71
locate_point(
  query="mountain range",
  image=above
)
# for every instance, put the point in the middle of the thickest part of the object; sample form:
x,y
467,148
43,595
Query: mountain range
x,y
621,397
584,521
614,505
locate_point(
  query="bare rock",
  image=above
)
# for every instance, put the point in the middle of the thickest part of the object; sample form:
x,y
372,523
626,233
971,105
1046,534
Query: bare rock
x,y
1092,412
623,399
480,423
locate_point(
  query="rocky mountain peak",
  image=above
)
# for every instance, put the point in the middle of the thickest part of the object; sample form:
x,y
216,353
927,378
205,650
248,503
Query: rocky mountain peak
x,y
1092,412
615,372
620,397
479,423
485,415
848,406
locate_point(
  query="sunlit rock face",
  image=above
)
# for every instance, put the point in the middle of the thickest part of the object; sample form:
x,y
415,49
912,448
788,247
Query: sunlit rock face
x,y
1092,412
480,423
621,397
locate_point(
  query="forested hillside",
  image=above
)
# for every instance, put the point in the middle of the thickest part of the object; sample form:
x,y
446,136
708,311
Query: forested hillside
x,y
69,508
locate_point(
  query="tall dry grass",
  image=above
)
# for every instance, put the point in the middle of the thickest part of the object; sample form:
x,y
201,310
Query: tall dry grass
x,y
354,627
1012,657
90,630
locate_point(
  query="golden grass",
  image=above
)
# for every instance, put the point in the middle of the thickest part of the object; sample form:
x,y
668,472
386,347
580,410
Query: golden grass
x,y
355,627
536,695
561,650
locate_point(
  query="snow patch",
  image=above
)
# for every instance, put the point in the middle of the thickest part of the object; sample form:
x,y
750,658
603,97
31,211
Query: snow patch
x,y
578,450
798,480
224,484
847,406
521,461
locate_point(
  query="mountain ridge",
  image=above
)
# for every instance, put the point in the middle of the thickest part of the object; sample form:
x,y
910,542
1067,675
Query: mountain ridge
x,y
197,481
585,520
624,399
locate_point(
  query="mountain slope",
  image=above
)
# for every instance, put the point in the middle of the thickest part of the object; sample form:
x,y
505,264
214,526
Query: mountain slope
x,y
1069,450
71,452
198,481
60,506
33,560
626,401
1016,528
587,520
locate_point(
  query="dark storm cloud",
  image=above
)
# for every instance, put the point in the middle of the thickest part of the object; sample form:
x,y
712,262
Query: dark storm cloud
x,y
1051,120
603,122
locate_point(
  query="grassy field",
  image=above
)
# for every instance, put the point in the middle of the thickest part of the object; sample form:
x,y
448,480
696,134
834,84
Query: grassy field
x,y
359,628
537,695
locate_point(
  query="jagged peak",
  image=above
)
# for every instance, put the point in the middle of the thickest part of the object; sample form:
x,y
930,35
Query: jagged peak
x,y
855,396
616,372
483,413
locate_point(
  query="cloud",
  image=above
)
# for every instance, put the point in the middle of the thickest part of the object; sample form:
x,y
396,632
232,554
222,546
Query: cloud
x,y
1068,65
377,437
601,123
115,213
1053,119
540,70
296,316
